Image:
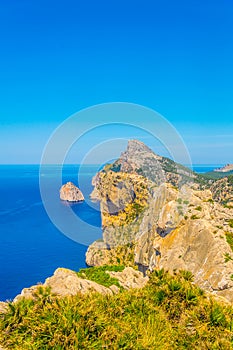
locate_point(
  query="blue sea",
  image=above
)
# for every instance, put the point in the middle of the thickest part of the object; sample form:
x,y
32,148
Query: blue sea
x,y
31,246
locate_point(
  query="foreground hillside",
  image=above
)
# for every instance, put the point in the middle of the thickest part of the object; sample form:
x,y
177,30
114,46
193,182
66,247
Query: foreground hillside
x,y
168,313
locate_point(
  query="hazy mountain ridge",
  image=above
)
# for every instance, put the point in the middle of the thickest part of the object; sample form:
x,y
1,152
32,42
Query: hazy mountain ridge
x,y
225,169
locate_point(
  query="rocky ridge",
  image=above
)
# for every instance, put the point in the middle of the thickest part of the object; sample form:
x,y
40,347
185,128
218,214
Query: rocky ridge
x,y
226,168
140,159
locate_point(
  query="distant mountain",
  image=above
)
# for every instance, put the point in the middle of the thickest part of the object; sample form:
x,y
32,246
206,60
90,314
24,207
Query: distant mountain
x,y
225,169
219,173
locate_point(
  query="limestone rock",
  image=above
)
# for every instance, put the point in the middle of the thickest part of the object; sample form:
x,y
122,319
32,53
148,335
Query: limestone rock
x,y
65,282
70,192
193,240
3,307
28,293
178,228
140,159
129,278
97,254
194,247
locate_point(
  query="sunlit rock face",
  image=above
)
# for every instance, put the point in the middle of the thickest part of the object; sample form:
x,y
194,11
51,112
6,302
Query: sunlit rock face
x,y
167,223
71,193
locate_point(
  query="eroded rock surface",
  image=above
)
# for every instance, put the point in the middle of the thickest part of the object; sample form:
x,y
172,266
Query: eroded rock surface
x,y
71,193
174,228
129,278
65,282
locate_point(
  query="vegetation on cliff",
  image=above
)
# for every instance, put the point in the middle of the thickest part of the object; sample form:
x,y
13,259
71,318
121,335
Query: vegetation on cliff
x,y
168,313
124,197
99,275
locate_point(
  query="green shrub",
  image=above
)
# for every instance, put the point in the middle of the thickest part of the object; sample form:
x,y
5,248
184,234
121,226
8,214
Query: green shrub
x,y
229,238
199,208
99,274
194,217
227,257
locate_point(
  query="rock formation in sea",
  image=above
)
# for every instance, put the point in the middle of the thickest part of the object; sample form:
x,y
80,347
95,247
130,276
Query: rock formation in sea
x,y
164,216
70,192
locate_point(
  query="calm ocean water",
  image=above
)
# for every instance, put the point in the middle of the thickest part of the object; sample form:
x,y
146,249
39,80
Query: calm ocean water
x,y
31,246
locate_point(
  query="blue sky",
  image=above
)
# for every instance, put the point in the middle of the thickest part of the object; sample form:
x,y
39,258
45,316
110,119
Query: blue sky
x,y
58,57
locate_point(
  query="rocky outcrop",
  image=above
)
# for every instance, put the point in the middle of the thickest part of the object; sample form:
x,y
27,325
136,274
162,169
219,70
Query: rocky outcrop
x,y
140,159
130,278
71,193
65,282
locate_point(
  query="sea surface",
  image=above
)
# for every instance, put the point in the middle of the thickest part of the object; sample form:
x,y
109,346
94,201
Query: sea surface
x,y
31,246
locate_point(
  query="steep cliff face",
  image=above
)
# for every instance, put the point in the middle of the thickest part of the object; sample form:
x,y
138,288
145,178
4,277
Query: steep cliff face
x,y
163,225
190,236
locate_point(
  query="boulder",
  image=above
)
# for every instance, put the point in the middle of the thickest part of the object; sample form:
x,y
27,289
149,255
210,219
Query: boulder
x,y
129,278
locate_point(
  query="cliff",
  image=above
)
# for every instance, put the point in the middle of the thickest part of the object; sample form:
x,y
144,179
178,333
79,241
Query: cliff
x,y
147,218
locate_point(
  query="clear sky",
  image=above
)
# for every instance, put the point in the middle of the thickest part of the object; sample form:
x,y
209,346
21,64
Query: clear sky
x,y
58,57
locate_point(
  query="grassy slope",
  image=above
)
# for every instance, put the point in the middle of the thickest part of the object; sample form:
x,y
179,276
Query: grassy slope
x,y
169,313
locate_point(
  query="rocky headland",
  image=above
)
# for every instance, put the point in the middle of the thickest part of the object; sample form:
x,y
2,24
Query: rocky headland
x,y
158,214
